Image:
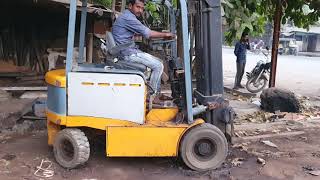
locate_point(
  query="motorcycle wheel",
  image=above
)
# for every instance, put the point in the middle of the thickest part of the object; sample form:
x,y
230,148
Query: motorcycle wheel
x,y
256,87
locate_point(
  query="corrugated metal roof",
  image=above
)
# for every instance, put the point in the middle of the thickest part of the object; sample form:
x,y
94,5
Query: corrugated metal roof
x,y
91,7
312,30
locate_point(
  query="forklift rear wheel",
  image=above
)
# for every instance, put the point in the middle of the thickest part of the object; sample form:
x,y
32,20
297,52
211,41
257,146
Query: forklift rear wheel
x,y
204,147
71,148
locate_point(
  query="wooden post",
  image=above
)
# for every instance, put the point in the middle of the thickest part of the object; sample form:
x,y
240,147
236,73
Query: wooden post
x,y
275,43
89,47
123,5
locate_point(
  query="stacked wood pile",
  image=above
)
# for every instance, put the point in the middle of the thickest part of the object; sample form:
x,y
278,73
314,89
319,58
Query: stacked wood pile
x,y
12,79
24,49
12,75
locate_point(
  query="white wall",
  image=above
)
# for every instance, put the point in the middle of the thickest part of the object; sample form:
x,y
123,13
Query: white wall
x,y
305,43
318,43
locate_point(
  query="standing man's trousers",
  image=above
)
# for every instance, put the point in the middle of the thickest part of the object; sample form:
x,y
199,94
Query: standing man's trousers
x,y
240,71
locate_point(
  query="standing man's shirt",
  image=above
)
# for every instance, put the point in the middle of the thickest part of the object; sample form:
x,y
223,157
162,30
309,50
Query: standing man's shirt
x,y
241,51
125,27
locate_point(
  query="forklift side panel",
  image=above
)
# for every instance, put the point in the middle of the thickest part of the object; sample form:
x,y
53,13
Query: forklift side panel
x,y
162,115
143,141
56,101
104,95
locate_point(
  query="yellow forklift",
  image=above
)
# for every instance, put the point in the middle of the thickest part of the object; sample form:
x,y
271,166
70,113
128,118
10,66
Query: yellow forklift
x,y
113,99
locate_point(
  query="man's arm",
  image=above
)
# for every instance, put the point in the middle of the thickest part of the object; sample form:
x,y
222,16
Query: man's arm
x,y
136,26
156,34
236,49
248,45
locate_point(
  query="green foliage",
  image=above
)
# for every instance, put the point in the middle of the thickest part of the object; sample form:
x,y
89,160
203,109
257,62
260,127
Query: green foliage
x,y
242,16
153,9
252,15
155,14
106,3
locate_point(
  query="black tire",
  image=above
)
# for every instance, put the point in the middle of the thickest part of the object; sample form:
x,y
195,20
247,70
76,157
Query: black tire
x,y
204,147
251,88
71,148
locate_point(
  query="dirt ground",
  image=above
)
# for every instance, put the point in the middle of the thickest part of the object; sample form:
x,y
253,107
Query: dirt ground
x,y
292,159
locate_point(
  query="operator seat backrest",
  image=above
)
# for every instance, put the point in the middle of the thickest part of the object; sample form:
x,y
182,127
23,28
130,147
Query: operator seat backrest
x,y
114,50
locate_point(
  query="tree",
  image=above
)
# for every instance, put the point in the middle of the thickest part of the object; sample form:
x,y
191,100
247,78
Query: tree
x,y
252,15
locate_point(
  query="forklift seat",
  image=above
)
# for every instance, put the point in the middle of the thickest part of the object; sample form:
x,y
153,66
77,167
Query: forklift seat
x,y
114,51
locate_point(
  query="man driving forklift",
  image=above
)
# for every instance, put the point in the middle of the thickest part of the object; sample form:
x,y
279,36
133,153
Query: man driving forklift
x,y
99,99
125,27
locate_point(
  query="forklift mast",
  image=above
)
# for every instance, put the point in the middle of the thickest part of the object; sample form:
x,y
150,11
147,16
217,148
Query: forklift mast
x,y
208,49
201,32
206,27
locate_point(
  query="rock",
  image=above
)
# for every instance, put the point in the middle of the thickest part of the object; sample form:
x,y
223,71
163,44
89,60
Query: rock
x,y
257,102
28,126
311,170
274,99
261,161
9,157
39,124
304,138
316,154
237,161
23,128
276,131
269,143
314,173
4,162
308,168
4,95
242,146
12,110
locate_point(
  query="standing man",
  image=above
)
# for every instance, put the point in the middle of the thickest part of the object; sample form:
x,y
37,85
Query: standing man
x,y
125,27
241,52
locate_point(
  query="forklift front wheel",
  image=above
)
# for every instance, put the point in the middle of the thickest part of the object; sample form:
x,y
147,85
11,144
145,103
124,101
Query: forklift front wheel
x,y
204,147
71,148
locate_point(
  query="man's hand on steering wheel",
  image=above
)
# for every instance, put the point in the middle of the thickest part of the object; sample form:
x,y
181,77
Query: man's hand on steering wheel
x,y
169,36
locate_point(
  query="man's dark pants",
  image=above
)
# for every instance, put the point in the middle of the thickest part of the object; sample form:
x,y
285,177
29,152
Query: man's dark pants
x,y
240,71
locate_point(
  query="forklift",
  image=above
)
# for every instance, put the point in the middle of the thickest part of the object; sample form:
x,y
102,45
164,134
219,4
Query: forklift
x,y
113,99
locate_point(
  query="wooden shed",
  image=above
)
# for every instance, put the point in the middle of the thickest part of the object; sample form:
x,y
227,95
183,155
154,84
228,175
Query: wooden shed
x,y
33,36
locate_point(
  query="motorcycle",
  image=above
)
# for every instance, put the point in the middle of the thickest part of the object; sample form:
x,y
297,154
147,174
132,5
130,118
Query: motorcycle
x,y
256,47
258,77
